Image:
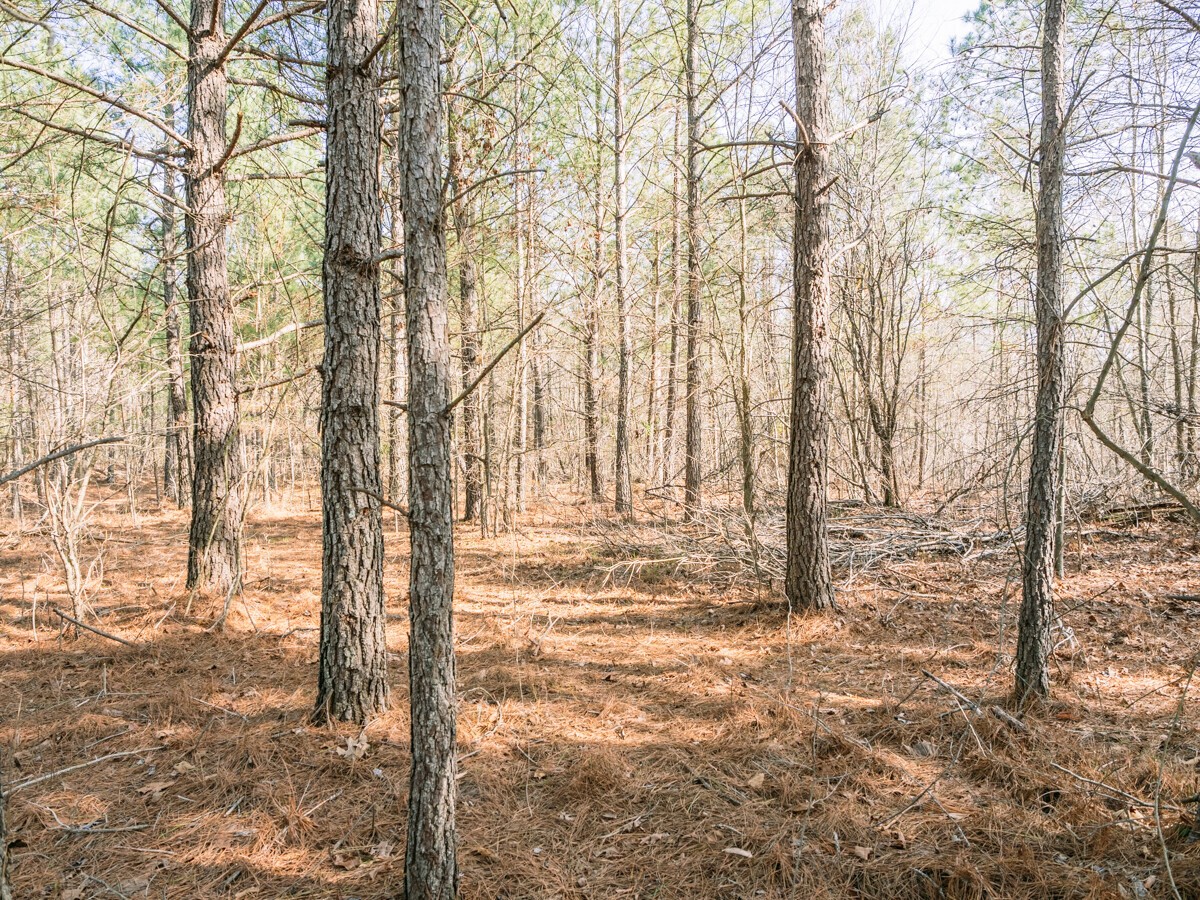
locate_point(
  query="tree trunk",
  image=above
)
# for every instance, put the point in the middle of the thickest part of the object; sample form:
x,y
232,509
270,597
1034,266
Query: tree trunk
x,y
469,342
16,352
175,465
809,584
430,868
742,389
396,391
1034,638
352,681
591,333
214,545
692,463
677,272
623,488
5,885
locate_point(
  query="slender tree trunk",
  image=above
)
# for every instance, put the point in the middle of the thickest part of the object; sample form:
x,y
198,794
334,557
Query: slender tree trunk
x,y
1034,638
5,884
809,584
677,274
692,461
591,333
352,681
396,390
469,344
653,430
431,872
16,351
214,545
175,466
742,390
624,479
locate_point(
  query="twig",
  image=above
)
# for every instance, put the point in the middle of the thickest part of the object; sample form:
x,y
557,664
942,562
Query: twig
x,y
1136,801
104,634
30,782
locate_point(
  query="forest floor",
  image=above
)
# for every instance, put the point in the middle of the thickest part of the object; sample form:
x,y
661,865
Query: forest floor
x,y
624,732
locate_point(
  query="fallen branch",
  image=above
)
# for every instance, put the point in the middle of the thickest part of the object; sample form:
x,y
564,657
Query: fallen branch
x,y
1136,801
104,634
58,454
1011,721
38,779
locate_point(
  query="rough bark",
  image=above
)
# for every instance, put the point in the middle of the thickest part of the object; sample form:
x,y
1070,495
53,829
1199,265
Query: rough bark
x,y
808,583
1034,636
397,393
430,871
352,676
214,545
175,462
469,343
694,378
623,488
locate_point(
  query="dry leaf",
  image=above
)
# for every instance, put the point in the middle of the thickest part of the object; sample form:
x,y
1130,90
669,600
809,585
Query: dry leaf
x,y
154,787
862,853
345,861
738,851
756,782
355,749
75,893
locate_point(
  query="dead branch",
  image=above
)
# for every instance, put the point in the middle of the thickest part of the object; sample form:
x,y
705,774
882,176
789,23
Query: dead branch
x,y
104,634
58,454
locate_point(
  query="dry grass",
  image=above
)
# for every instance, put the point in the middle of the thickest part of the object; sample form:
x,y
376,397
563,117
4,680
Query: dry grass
x,y
649,738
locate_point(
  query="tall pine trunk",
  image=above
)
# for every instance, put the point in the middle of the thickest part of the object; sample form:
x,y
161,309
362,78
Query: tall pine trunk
x,y
214,545
692,473
175,465
352,676
469,326
623,486
430,869
677,272
808,582
1034,636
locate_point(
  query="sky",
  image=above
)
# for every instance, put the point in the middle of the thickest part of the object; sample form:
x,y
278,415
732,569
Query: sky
x,y
933,24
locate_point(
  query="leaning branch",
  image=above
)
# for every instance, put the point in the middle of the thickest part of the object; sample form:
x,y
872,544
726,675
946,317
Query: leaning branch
x,y
282,332
466,392
58,454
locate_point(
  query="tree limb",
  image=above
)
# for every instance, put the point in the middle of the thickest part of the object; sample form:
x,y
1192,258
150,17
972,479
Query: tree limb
x,y
58,454
488,368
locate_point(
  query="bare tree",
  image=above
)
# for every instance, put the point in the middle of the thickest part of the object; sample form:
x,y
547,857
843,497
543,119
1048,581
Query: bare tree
x,y
693,473
431,871
624,485
1034,638
809,583
352,676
